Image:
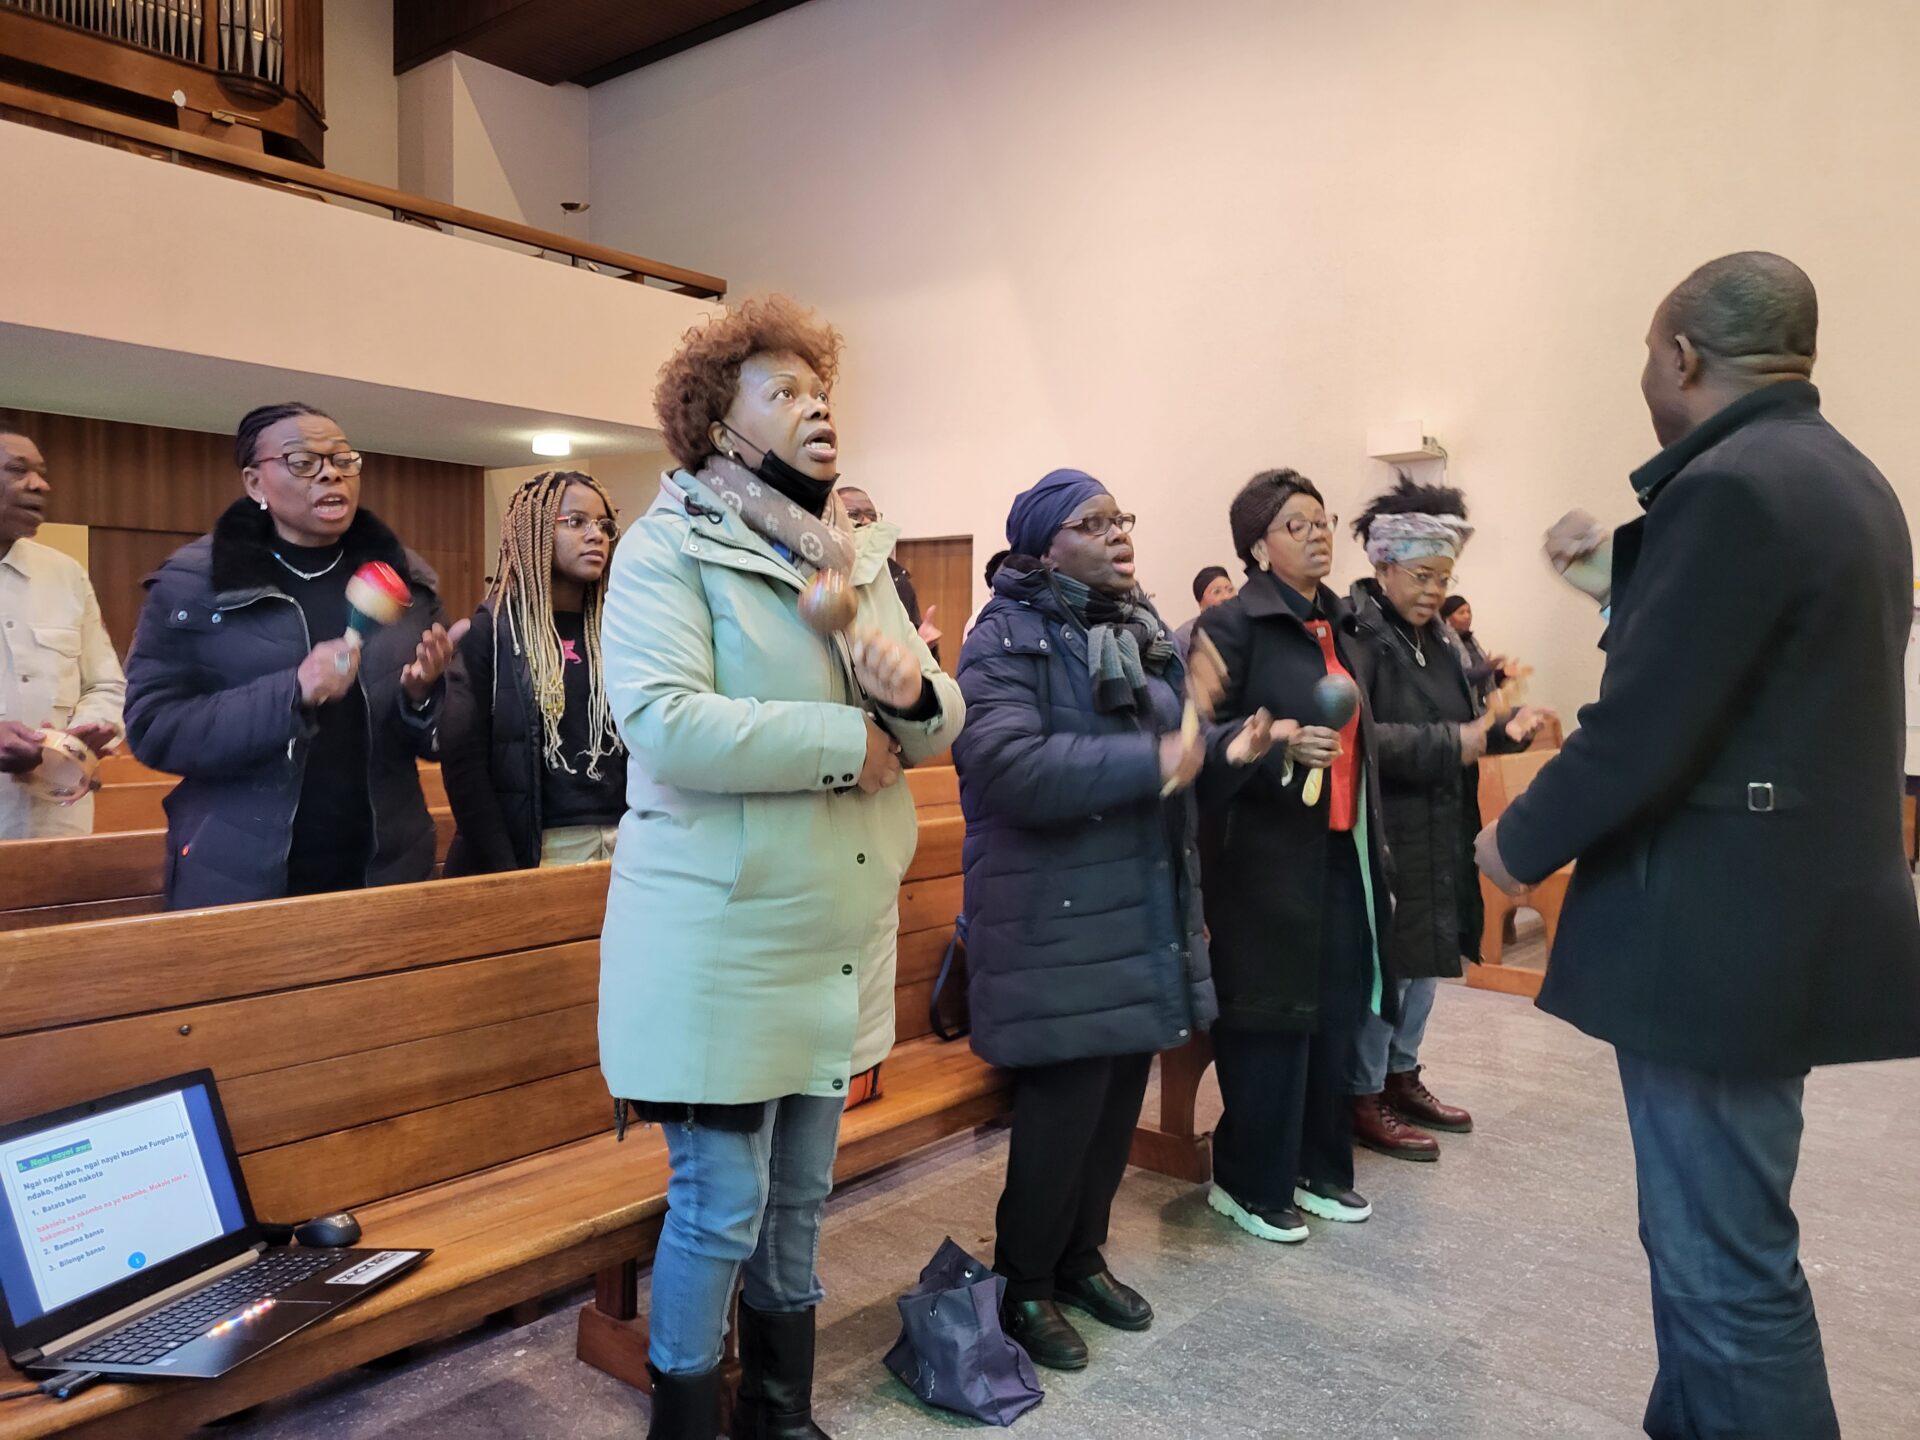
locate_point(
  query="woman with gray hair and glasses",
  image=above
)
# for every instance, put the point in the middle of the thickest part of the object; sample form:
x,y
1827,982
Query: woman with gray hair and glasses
x,y
1430,729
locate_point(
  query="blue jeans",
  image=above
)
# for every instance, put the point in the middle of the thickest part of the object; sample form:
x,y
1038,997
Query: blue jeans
x,y
751,1199
1380,1049
1740,1354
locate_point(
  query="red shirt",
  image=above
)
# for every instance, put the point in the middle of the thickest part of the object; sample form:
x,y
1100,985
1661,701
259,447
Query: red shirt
x,y
1342,779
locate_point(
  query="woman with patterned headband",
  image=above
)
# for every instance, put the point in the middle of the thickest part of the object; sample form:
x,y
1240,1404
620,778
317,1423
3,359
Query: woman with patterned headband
x,y
1430,731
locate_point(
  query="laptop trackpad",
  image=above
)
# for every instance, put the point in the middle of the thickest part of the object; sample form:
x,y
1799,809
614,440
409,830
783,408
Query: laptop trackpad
x,y
239,1337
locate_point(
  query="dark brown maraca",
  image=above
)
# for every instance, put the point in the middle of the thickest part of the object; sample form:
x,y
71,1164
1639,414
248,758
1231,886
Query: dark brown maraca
x,y
829,603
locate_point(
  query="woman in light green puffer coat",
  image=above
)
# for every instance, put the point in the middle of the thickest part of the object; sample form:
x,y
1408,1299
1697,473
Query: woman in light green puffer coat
x,y
747,962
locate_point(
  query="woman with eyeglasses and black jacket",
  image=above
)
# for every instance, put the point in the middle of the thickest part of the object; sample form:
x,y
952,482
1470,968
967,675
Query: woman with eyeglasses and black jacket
x,y
298,747
535,770
1297,892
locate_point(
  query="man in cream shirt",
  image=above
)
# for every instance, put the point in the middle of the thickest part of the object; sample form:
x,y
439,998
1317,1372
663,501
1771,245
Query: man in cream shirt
x,y
57,666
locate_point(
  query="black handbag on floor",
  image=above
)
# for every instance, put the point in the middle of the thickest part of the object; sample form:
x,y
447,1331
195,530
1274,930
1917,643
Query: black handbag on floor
x,y
952,1352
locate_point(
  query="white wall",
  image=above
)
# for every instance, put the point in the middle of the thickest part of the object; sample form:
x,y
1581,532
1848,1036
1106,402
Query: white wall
x,y
475,135
1176,244
363,97
315,289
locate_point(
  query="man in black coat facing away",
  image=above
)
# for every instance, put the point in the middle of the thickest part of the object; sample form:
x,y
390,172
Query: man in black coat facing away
x,y
1741,910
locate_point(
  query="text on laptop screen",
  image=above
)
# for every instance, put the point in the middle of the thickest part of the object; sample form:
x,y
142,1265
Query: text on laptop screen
x,y
95,1200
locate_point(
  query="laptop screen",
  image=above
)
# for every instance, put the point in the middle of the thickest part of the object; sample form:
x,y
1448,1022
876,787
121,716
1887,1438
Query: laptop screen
x,y
94,1199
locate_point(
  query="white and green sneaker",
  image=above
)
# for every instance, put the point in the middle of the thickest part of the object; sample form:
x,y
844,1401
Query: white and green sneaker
x,y
1284,1226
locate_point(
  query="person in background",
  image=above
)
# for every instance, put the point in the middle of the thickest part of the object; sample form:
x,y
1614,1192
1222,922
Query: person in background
x,y
863,512
1741,910
1430,730
1297,895
994,562
1485,673
57,666
298,749
1085,949
1211,587
535,770
747,961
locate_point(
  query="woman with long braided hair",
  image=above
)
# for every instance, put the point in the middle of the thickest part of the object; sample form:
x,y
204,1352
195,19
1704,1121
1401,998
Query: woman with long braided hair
x,y
535,770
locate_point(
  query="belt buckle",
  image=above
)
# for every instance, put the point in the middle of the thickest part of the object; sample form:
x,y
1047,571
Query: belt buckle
x,y
1760,798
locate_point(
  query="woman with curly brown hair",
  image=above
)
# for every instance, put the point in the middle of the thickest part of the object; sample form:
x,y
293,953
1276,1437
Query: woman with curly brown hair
x,y
746,971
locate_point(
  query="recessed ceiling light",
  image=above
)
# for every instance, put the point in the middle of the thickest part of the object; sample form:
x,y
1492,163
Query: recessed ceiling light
x,y
552,442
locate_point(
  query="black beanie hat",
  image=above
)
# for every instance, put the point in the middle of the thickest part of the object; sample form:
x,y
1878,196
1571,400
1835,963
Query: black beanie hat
x,y
1205,578
1451,604
1253,510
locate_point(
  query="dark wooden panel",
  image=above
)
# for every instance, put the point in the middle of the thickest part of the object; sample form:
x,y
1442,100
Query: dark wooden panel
x,y
261,1033
155,962
119,562
943,579
556,40
390,1157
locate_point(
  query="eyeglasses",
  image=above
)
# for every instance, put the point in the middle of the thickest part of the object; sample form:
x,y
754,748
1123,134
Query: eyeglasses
x,y
573,523
1428,579
1300,527
306,465
1094,526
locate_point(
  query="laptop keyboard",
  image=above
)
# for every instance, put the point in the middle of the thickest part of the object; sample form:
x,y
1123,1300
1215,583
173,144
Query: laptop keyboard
x,y
191,1316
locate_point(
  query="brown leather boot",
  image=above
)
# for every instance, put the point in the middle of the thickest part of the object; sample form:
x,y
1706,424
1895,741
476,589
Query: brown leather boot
x,y
1378,1127
1408,1094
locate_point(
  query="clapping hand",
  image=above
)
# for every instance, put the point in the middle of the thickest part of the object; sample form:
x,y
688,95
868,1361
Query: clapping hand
x,y
430,660
1255,739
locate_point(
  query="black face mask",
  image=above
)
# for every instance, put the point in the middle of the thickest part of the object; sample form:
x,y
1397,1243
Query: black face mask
x,y
809,494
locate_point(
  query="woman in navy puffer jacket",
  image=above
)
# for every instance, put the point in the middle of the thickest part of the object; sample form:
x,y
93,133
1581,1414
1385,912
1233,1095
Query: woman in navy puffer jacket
x,y
1085,944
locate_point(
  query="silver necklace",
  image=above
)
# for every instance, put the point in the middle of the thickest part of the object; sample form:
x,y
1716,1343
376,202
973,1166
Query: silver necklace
x,y
328,567
1413,644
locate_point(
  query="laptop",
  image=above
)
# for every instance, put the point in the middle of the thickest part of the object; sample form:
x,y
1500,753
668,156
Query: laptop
x,y
128,1245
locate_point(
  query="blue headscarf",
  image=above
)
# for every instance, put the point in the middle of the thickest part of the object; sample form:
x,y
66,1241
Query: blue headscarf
x,y
1039,513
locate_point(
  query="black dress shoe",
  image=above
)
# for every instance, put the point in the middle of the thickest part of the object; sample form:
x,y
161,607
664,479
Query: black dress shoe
x,y
1106,1300
1038,1327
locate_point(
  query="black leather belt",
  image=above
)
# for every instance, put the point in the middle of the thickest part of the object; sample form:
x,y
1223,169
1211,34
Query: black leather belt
x,y
1756,797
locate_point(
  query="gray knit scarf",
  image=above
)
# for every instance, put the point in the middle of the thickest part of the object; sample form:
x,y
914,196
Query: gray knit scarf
x,y
1125,640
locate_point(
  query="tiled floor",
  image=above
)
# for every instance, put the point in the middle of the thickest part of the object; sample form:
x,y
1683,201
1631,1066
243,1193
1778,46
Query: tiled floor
x,y
1500,1293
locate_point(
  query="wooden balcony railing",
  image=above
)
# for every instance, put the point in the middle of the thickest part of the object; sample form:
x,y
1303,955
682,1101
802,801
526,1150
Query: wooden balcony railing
x,y
24,106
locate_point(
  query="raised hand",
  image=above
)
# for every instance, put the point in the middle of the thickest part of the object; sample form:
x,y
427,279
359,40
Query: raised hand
x,y
430,660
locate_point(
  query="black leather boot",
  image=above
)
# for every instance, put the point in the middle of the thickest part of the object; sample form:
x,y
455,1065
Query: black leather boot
x,y
776,1377
685,1407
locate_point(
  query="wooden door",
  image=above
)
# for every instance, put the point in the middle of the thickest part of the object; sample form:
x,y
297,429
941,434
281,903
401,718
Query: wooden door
x,y
943,578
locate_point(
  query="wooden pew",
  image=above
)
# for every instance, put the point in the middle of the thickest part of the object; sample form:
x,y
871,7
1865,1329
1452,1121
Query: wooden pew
x,y
104,876
1502,777
132,797
425,1055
